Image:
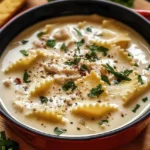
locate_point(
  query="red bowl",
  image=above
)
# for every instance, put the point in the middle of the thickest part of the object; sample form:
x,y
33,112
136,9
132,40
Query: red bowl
x,y
104,141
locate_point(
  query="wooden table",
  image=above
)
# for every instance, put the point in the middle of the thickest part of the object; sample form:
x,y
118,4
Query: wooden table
x,y
141,143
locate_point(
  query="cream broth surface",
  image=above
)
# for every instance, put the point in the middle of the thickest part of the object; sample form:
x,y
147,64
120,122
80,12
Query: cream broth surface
x,y
67,51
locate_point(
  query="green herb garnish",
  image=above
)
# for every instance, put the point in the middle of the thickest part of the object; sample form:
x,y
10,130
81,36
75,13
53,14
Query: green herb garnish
x,y
102,122
136,108
102,49
7,144
24,52
128,3
105,79
74,62
120,75
59,131
145,99
78,32
140,80
80,43
43,99
24,42
40,34
95,92
88,29
84,68
25,78
136,65
148,68
92,56
64,47
69,85
51,43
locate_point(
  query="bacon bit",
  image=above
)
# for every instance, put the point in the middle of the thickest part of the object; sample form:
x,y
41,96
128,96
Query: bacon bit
x,y
75,67
83,73
17,81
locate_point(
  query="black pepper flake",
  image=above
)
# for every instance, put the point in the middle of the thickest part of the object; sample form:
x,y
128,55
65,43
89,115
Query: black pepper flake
x,y
122,115
78,128
71,122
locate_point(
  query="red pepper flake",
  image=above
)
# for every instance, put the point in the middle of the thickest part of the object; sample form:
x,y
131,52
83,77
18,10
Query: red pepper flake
x,y
75,67
83,73
17,81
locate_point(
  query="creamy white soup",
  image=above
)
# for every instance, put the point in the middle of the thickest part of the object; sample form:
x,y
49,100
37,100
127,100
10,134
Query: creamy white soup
x,y
76,75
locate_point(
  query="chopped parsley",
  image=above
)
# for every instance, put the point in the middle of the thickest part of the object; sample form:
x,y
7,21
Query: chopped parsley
x,y
78,32
43,99
148,67
84,68
92,56
128,3
7,144
23,42
58,131
69,85
73,62
129,54
140,80
95,48
102,122
88,29
40,34
24,52
25,77
105,79
136,108
64,47
120,75
145,99
51,43
80,43
95,92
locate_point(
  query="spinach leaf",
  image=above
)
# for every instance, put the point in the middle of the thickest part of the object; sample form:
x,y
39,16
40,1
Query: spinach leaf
x,y
25,77
92,56
43,99
80,43
51,43
102,49
95,92
59,131
24,52
69,85
74,62
84,68
140,80
64,47
120,75
105,79
102,122
78,32
88,29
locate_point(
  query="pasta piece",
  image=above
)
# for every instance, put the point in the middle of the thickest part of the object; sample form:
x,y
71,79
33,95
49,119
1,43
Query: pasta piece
x,y
82,24
121,39
106,44
127,56
90,81
124,87
93,110
135,92
22,63
41,87
48,115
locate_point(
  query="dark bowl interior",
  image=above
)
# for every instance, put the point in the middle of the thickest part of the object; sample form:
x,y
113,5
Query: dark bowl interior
x,y
74,7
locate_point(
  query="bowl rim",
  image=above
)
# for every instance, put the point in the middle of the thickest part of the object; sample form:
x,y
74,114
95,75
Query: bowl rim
x,y
76,138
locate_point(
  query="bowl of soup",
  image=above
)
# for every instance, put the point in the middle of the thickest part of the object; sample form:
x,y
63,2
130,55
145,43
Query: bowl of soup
x,y
76,74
